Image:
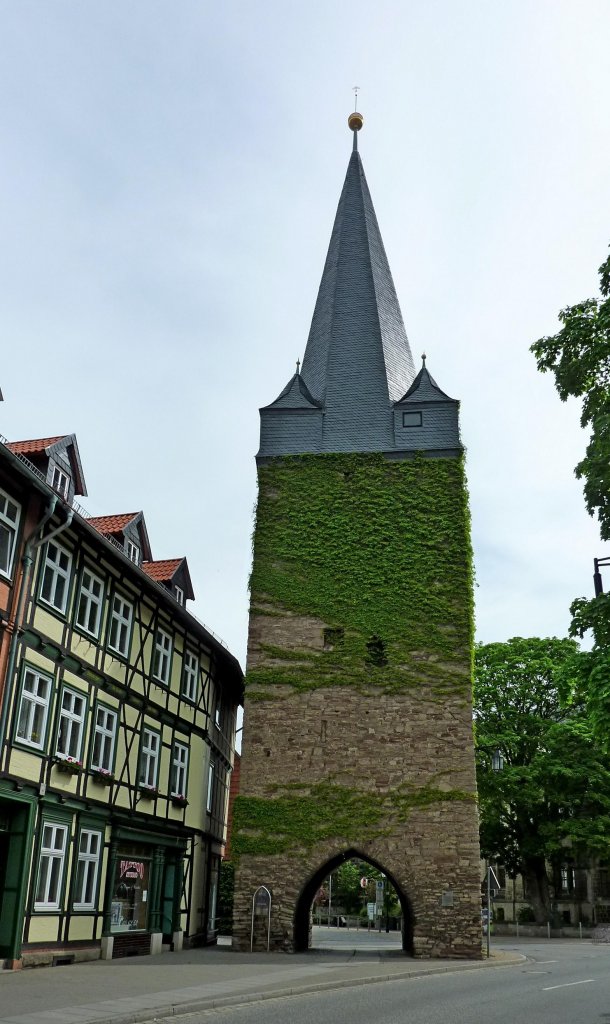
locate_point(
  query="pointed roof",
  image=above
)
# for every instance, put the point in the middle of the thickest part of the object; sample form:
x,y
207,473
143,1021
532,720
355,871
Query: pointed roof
x,y
164,570
357,358
115,526
425,389
39,444
61,445
112,524
295,395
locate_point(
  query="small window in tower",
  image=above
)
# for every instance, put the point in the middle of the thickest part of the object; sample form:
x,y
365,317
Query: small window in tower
x,y
376,652
333,637
411,419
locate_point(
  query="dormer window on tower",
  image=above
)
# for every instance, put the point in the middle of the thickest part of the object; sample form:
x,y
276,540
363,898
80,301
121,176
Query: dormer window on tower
x,y
179,595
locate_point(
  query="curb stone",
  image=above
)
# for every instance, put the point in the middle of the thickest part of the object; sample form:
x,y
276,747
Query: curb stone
x,y
177,1010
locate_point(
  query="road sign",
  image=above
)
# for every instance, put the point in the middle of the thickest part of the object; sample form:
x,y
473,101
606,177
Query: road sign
x,y
370,909
363,883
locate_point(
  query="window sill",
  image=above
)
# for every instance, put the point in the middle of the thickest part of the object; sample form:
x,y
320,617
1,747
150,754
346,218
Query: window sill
x,y
68,767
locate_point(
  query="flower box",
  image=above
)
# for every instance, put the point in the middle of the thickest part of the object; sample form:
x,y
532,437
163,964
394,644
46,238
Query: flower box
x,y
148,792
68,765
179,800
101,777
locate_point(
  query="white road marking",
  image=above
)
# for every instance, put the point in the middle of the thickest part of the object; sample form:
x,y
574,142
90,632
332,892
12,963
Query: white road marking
x,y
547,961
567,984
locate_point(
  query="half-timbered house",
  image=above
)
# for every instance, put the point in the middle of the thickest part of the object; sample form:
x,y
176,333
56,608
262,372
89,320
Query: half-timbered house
x,y
117,727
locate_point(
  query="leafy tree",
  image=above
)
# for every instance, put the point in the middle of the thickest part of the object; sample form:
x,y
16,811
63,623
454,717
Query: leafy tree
x,y
553,794
226,888
579,357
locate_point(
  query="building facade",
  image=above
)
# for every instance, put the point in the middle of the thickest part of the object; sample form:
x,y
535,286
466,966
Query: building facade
x,y
358,711
117,727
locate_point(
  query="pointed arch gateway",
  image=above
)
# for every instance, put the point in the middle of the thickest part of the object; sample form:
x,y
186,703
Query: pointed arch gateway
x,y
311,887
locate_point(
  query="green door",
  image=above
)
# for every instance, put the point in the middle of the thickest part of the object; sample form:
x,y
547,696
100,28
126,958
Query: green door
x,y
167,902
14,865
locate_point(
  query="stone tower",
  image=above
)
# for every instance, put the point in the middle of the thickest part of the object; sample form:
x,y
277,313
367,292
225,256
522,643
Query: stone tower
x,y
358,719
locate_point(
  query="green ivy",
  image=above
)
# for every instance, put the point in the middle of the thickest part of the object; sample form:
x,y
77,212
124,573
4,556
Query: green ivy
x,y
372,547
301,816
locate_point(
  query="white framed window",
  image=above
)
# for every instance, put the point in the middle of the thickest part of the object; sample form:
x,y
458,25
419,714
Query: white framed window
x,y
218,713
162,656
190,675
56,576
132,551
104,737
120,625
60,481
71,724
34,708
149,759
87,868
51,866
90,602
179,769
9,524
179,595
210,796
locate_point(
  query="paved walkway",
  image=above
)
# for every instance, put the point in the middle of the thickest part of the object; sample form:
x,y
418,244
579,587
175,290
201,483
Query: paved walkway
x,y
141,988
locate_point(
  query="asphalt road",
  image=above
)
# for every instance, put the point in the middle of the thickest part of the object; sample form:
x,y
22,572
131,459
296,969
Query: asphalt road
x,y
560,983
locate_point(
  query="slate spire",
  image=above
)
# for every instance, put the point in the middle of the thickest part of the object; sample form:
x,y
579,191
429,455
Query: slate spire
x,y
357,360
357,364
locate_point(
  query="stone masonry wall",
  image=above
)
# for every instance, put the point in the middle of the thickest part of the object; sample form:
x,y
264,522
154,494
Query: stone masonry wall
x,y
345,757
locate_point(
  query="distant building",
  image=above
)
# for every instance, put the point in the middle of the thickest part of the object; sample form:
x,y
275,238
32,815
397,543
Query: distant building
x,y
117,727
579,890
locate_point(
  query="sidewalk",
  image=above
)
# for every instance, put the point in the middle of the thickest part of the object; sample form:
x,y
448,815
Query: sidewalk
x,y
141,988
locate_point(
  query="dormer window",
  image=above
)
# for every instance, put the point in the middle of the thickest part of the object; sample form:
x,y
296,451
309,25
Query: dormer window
x,y
179,595
132,551
60,481
411,419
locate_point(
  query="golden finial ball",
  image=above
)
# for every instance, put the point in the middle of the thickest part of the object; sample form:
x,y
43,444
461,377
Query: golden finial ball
x,y
355,121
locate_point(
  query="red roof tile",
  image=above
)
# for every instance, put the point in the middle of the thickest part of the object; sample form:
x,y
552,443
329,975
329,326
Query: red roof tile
x,y
164,570
29,447
112,524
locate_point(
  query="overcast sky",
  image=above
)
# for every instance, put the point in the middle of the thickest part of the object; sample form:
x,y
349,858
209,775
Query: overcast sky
x,y
169,177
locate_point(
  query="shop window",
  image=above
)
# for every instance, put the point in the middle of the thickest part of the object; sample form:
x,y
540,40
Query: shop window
x,y
87,869
51,866
129,909
34,708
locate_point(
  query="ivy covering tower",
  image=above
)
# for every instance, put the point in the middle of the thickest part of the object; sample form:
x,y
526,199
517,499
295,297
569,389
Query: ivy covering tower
x,y
358,713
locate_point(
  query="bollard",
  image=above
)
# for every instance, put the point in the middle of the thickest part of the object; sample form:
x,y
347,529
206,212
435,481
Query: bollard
x,y
548,929
580,928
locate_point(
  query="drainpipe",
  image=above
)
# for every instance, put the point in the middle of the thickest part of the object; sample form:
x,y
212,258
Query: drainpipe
x,y
31,545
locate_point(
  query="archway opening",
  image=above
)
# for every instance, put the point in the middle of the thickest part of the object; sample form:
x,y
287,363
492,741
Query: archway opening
x,y
353,891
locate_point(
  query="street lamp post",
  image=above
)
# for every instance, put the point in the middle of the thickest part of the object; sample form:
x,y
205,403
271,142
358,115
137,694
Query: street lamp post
x,y
497,764
597,576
